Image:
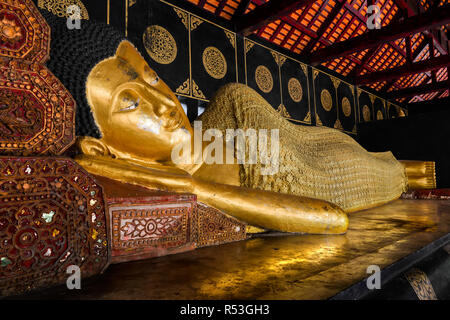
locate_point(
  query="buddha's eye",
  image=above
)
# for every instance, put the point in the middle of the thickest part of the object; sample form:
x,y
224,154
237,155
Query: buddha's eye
x,y
155,81
128,104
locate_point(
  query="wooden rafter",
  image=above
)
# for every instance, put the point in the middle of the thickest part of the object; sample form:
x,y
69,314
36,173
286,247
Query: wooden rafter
x,y
428,20
242,7
404,70
268,13
418,90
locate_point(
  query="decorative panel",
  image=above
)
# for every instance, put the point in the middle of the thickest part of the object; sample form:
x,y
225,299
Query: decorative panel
x,y
365,103
394,111
346,107
215,228
52,215
37,113
294,89
24,32
213,57
325,99
262,72
379,109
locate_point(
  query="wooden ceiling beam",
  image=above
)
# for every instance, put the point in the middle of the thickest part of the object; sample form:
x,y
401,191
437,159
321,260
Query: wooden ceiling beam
x,y
267,13
404,70
431,19
418,90
242,7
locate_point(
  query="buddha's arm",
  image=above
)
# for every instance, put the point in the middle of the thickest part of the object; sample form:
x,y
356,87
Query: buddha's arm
x,y
274,211
265,209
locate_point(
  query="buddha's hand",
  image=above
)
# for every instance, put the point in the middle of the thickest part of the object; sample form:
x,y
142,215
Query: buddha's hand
x,y
152,176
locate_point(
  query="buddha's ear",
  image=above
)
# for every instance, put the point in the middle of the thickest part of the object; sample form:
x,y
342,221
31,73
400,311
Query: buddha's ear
x,y
92,147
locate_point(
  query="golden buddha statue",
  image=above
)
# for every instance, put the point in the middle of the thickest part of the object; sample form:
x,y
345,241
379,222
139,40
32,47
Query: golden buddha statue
x,y
141,122
322,174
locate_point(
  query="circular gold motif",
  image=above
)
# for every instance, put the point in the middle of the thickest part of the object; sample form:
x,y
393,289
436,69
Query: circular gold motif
x,y
160,44
264,79
346,107
366,113
379,115
214,62
295,90
327,101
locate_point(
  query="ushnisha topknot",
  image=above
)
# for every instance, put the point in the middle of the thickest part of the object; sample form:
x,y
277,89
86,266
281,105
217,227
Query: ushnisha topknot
x,y
73,54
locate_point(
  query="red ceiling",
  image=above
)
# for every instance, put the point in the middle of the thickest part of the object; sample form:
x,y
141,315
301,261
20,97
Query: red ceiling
x,y
310,26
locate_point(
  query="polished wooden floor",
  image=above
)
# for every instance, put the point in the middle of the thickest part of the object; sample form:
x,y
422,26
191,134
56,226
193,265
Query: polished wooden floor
x,y
277,267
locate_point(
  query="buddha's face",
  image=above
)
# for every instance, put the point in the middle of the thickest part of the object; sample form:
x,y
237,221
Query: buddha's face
x,y
137,113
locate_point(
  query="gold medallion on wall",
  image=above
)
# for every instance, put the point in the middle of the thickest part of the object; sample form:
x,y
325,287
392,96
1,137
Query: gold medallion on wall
x,y
326,99
214,63
346,107
379,115
366,113
295,90
264,79
160,44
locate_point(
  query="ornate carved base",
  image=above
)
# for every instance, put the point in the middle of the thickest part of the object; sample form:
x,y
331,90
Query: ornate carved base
x,y
148,223
51,217
214,227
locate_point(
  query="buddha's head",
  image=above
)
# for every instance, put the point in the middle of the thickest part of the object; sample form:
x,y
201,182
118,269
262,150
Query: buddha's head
x,y
124,109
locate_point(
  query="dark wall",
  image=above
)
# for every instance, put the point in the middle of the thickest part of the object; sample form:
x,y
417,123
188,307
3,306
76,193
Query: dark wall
x,y
418,137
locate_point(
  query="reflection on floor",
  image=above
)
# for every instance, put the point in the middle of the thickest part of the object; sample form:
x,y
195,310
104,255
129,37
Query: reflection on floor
x,y
281,267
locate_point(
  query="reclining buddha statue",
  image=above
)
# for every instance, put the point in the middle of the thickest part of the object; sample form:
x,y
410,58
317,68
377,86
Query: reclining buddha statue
x,y
129,122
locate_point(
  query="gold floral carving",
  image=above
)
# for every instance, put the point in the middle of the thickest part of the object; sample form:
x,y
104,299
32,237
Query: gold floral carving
x,y
366,113
379,115
372,98
184,88
308,117
326,100
183,16
214,62
359,91
283,111
336,82
196,91
195,22
248,45
295,89
318,121
304,68
59,8
275,56
346,107
231,36
160,44
338,125
264,79
421,284
315,73
281,60
131,3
